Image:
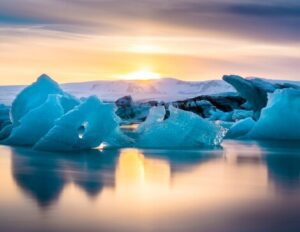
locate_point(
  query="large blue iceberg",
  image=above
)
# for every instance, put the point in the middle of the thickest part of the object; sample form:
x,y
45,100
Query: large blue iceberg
x,y
36,94
36,123
279,120
84,127
240,128
47,118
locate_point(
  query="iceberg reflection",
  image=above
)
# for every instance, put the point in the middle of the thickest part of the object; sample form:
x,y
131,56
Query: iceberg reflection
x,y
245,183
43,176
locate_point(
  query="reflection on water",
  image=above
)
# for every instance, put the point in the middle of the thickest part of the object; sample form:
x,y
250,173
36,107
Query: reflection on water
x,y
43,176
240,187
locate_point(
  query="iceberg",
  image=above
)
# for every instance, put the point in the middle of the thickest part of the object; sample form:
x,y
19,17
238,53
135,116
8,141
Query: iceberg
x,y
255,92
279,120
241,114
4,116
218,115
156,114
180,129
240,128
36,94
84,127
226,125
5,131
36,123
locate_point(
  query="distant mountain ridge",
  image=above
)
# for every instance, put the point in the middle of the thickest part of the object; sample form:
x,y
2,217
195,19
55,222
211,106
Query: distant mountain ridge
x,y
165,89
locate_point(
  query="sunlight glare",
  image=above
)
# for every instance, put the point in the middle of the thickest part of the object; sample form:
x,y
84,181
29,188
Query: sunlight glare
x,y
143,74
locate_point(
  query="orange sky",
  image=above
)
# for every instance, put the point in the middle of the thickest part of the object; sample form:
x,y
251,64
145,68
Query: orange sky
x,y
73,42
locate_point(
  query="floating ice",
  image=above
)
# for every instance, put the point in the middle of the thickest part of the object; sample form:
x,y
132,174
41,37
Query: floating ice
x,y
36,123
181,129
240,128
84,127
36,94
220,115
280,119
5,131
226,125
156,114
241,114
4,116
255,92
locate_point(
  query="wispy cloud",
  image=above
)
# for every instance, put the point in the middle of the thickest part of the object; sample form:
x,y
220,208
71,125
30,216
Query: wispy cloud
x,y
190,39
272,20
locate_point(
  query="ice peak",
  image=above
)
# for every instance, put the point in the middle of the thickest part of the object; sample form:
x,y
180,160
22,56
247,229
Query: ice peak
x,y
45,78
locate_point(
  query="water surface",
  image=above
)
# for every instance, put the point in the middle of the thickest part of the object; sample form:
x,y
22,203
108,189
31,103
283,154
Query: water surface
x,y
243,186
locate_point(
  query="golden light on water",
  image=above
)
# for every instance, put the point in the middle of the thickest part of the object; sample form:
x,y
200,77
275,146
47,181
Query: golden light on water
x,y
136,174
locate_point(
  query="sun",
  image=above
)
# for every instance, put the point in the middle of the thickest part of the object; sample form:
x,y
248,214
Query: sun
x,y
142,74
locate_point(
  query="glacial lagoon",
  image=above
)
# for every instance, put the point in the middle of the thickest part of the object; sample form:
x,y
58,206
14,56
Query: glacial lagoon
x,y
241,186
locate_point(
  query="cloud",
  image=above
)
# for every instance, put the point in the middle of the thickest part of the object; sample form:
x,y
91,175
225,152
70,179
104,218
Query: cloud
x,y
274,20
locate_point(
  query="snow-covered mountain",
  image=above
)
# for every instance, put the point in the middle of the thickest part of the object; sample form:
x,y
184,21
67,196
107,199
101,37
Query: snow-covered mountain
x,y
165,89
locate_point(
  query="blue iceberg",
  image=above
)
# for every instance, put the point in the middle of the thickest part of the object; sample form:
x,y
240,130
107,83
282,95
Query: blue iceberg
x,y
180,129
240,128
279,120
36,94
84,127
36,123
156,115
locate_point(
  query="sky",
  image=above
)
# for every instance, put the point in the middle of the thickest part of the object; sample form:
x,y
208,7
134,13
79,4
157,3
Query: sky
x,y
83,40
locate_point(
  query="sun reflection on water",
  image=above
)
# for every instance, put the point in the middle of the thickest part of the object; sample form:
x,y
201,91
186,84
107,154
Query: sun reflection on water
x,y
141,176
147,190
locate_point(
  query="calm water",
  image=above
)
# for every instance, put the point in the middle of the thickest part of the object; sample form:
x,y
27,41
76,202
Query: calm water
x,y
240,187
